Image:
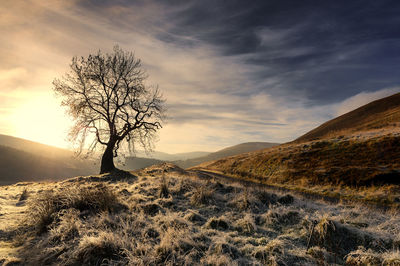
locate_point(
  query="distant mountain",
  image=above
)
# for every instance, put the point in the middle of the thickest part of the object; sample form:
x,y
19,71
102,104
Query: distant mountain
x,y
377,114
230,151
24,160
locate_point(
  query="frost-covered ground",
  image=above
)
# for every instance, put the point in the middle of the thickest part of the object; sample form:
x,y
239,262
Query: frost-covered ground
x,y
165,215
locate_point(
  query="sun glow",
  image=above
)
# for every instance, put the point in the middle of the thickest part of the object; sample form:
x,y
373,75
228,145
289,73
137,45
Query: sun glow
x,y
42,119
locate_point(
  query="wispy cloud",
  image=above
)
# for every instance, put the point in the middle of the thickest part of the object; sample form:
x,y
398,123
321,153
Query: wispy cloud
x,y
231,71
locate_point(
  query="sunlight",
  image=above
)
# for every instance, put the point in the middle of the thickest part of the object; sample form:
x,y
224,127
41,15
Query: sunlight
x,y
42,119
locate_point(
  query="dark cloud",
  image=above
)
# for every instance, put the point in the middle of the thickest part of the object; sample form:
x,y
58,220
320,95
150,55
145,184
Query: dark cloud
x,y
329,50
325,51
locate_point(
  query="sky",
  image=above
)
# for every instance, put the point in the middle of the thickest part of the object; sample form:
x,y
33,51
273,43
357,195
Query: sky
x,y
231,71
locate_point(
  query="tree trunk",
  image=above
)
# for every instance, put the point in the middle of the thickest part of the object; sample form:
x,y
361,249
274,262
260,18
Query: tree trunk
x,y
107,160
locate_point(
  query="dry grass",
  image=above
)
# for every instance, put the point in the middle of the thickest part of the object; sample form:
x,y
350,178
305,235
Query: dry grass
x,y
202,195
199,222
361,168
45,208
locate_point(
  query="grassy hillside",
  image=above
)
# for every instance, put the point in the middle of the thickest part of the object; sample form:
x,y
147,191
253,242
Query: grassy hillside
x,y
355,156
234,150
381,113
346,161
165,215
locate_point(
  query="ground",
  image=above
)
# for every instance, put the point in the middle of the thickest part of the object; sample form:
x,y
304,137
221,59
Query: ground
x,y
166,215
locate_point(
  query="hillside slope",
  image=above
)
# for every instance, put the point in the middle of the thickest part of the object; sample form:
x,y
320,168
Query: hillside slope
x,y
354,158
347,161
377,114
229,151
33,147
24,160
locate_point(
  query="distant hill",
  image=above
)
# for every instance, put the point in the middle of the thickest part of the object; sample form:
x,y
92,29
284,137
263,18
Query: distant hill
x,y
230,151
370,156
24,160
33,147
134,163
163,156
377,114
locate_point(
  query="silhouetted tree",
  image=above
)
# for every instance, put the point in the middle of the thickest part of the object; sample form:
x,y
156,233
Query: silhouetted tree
x,y
107,96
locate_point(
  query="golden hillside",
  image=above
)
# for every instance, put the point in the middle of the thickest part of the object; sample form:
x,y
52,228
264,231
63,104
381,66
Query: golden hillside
x,y
381,113
358,149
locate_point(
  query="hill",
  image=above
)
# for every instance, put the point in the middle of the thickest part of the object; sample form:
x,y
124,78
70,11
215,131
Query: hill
x,y
24,160
229,151
33,147
377,114
163,156
134,163
365,153
193,158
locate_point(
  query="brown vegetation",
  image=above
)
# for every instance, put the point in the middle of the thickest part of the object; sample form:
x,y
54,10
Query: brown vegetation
x,y
94,221
365,166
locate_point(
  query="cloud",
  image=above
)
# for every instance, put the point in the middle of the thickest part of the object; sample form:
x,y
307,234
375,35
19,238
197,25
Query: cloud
x,y
231,71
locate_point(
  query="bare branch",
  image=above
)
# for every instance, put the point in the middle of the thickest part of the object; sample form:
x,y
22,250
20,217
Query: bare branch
x,y
111,105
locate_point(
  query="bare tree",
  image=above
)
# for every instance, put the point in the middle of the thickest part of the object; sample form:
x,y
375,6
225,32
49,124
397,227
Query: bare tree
x,y
107,96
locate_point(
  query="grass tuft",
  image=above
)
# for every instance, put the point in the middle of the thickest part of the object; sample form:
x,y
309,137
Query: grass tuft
x,y
98,250
164,191
202,195
45,208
